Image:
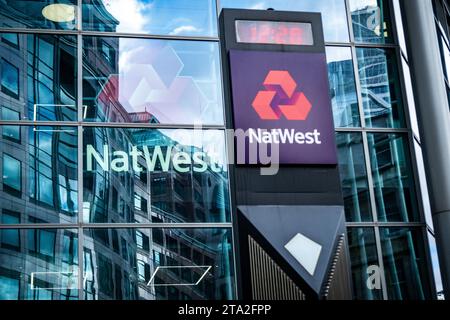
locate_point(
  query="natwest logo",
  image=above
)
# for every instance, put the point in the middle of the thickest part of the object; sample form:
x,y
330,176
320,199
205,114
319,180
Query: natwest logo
x,y
281,98
281,102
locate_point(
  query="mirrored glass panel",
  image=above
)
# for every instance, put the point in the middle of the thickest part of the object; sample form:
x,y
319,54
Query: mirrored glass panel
x,y
39,173
38,77
38,264
371,21
148,175
343,87
380,88
161,17
158,264
334,14
352,169
39,14
151,81
366,274
393,179
405,264
435,264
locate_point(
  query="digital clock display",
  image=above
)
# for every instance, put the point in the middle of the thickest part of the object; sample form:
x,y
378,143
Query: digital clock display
x,y
274,32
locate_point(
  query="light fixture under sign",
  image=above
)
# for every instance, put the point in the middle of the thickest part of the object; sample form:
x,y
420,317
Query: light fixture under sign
x,y
59,12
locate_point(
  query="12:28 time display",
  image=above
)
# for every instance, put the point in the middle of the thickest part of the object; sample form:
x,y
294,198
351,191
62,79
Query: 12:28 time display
x,y
274,32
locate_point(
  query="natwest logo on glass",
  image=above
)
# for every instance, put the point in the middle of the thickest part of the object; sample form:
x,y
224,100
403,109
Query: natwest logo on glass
x,y
283,98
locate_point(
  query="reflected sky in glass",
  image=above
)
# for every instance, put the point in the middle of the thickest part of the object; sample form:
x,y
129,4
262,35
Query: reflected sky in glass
x,y
174,17
343,87
371,22
153,81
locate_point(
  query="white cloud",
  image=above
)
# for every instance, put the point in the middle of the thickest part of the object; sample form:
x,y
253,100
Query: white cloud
x,y
130,13
259,6
184,30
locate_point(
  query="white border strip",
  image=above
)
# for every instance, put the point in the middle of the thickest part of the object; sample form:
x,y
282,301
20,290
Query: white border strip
x,y
177,284
71,274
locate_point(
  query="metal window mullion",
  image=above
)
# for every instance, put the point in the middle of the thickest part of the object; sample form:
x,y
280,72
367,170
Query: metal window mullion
x,y
197,225
370,180
373,205
79,15
218,8
349,22
153,125
108,34
80,152
131,125
392,17
386,224
39,31
149,36
362,117
381,263
373,130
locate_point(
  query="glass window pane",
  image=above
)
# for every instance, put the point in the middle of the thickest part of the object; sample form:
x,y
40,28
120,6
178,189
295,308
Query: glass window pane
x,y
176,274
393,178
162,17
42,277
41,14
445,52
45,71
10,238
425,194
409,91
380,88
353,173
343,87
364,264
12,174
11,39
371,21
187,176
10,132
152,81
9,79
436,267
9,285
334,14
405,264
399,25
47,190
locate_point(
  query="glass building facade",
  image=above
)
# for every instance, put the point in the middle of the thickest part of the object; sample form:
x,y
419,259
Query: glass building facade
x,y
141,76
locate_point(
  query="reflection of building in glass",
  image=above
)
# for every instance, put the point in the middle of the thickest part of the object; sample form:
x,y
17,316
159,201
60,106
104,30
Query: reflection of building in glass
x,y
154,197
343,93
380,94
128,269
94,12
143,198
39,173
38,264
38,82
38,77
369,24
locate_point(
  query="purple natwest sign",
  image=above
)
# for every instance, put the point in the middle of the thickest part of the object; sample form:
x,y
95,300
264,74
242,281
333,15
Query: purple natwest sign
x,y
283,98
